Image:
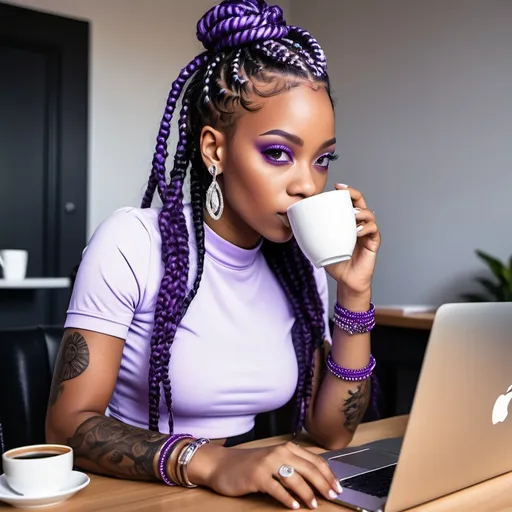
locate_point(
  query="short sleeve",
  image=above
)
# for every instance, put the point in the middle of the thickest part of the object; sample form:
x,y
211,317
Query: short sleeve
x,y
111,276
323,290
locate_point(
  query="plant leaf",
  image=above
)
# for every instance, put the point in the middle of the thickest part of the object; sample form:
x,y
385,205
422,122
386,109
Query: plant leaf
x,y
475,297
497,291
496,266
507,274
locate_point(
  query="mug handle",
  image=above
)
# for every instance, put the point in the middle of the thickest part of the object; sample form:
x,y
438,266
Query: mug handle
x,y
2,262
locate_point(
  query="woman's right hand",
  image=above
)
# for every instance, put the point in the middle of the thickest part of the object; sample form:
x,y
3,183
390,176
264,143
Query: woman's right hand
x,y
236,472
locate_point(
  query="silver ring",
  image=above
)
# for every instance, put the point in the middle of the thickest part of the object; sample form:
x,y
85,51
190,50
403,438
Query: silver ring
x,y
286,471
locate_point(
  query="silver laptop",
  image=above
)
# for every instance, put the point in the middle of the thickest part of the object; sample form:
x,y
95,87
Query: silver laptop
x,y
458,433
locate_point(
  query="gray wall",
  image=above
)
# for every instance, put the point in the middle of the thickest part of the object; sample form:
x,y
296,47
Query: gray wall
x,y
424,123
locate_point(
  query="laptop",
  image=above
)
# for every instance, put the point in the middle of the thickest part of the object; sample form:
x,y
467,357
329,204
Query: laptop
x,y
459,431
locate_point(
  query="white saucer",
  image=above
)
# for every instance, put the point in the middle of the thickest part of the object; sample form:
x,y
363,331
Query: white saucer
x,y
76,481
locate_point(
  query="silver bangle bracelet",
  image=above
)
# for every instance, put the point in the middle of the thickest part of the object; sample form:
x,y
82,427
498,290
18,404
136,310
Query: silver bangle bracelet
x,y
184,460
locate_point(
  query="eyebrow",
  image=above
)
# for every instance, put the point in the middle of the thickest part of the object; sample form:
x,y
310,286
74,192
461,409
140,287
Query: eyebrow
x,y
294,139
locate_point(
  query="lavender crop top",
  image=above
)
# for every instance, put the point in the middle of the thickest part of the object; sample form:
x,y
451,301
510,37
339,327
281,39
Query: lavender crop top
x,y
232,356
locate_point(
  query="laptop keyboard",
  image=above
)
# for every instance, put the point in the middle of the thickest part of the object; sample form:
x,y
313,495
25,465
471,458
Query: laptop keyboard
x,y
375,483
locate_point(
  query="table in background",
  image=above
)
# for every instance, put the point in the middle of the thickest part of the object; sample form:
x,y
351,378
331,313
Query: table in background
x,y
396,318
108,494
398,343
33,301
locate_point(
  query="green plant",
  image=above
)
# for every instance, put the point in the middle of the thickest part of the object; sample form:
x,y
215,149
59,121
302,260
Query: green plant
x,y
497,290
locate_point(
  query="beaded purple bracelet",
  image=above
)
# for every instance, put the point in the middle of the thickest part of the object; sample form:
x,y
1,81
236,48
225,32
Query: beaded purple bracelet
x,y
354,322
165,452
347,373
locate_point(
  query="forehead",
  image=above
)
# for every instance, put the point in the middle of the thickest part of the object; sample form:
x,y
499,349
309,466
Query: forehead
x,y
304,109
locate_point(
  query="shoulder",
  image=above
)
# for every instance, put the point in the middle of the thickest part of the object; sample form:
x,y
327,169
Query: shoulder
x,y
133,232
122,249
129,225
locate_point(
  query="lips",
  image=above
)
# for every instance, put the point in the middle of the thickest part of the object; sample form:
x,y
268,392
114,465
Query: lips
x,y
284,219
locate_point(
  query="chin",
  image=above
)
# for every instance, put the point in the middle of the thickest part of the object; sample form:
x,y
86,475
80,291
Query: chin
x,y
279,236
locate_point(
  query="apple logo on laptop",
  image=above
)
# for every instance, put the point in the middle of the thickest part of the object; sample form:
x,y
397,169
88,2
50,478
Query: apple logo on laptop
x,y
500,409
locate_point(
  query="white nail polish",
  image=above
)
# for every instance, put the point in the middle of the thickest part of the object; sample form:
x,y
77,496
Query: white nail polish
x,y
357,210
314,504
342,185
332,494
295,505
339,488
359,228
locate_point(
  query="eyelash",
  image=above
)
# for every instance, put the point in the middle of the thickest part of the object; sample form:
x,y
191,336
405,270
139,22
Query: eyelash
x,y
276,147
330,156
279,147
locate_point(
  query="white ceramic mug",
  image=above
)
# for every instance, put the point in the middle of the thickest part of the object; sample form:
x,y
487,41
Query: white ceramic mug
x,y
325,227
38,470
14,264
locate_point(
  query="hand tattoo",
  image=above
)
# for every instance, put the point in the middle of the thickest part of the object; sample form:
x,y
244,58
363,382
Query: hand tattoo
x,y
107,446
355,405
72,361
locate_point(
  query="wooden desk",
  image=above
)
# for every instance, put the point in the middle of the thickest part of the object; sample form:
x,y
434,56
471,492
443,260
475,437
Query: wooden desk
x,y
126,496
395,318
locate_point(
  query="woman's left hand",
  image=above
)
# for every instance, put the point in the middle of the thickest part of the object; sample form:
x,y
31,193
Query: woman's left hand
x,y
355,275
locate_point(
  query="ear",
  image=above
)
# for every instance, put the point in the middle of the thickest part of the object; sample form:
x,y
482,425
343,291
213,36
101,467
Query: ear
x,y
213,148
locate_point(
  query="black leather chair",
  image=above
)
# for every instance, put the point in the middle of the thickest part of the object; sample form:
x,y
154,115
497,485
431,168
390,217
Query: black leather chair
x,y
27,358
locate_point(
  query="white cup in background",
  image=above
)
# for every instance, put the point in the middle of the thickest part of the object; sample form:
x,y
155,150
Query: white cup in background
x,y
14,264
325,227
38,470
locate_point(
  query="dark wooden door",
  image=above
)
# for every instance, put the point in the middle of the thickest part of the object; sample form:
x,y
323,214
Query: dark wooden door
x,y
43,154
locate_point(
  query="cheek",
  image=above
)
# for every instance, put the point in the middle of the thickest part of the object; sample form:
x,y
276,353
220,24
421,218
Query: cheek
x,y
321,180
249,180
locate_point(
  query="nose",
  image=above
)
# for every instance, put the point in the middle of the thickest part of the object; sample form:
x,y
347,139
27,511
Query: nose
x,y
302,182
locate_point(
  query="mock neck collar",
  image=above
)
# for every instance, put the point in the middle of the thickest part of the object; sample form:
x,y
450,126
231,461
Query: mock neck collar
x,y
226,253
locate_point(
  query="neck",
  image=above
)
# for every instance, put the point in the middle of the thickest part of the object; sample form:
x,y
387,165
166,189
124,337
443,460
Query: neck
x,y
233,229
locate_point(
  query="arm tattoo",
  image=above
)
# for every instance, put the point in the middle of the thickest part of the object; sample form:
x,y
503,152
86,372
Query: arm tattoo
x,y
355,405
108,447
72,361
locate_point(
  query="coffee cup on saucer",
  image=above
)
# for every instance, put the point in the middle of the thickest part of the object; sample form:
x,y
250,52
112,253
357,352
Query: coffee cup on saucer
x,y
38,469
325,227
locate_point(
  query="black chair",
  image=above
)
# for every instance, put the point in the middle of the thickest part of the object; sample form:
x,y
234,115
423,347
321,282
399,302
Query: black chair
x,y
27,358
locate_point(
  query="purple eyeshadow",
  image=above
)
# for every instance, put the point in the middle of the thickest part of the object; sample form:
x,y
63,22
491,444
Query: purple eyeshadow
x,y
264,149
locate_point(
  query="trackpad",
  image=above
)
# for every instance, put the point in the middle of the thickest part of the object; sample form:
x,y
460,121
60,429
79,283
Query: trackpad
x,y
367,459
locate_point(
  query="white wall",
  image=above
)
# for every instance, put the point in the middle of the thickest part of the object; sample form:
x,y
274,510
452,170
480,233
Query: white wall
x,y
137,50
424,124
424,119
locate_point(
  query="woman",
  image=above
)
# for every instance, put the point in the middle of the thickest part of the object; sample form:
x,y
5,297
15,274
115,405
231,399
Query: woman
x,y
221,285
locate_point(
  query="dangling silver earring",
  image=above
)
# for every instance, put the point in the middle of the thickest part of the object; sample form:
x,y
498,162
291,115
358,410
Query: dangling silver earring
x,y
214,199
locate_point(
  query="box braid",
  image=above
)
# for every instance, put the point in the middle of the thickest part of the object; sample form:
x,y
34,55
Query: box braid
x,y
246,41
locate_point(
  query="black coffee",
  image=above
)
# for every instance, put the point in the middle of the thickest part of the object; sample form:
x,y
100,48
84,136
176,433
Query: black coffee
x,y
36,455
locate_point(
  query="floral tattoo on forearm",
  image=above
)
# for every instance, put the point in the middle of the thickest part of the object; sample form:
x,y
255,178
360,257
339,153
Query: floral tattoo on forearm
x,y
355,405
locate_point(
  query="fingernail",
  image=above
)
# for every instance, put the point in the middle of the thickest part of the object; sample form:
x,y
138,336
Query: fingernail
x,y
314,504
342,185
338,487
357,210
333,494
359,228
295,505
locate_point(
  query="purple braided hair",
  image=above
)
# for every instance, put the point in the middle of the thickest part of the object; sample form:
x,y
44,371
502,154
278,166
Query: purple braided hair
x,y
244,40
173,288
